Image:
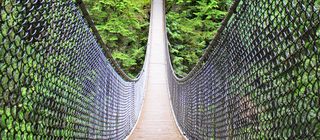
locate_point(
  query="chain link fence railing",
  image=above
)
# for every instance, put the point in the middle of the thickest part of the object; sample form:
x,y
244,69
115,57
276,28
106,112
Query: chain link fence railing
x,y
259,78
56,81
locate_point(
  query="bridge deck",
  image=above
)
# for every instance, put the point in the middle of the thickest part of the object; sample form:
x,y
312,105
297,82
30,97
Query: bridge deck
x,y
156,120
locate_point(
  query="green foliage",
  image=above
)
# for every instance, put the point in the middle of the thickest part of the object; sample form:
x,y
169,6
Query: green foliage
x,y
317,4
123,26
191,25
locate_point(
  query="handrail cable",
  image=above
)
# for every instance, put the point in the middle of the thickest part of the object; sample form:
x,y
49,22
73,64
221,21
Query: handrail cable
x,y
58,78
258,78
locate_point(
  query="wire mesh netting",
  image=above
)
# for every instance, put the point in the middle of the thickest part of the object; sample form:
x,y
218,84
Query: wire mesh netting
x,y
56,82
260,77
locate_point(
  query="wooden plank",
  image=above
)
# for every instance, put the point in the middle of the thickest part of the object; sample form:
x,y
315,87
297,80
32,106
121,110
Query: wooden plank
x,y
157,121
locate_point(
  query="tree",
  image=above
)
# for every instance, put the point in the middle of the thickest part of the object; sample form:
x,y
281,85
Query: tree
x,y
123,26
191,25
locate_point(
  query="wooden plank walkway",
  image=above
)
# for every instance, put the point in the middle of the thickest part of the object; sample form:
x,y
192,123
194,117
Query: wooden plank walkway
x,y
156,121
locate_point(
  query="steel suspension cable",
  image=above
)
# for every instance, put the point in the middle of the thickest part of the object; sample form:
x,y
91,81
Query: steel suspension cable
x,y
258,79
58,79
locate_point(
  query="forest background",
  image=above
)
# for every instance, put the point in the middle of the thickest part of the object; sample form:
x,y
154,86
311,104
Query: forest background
x,y
191,25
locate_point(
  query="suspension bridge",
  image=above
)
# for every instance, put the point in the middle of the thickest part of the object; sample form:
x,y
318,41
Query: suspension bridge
x,y
258,79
